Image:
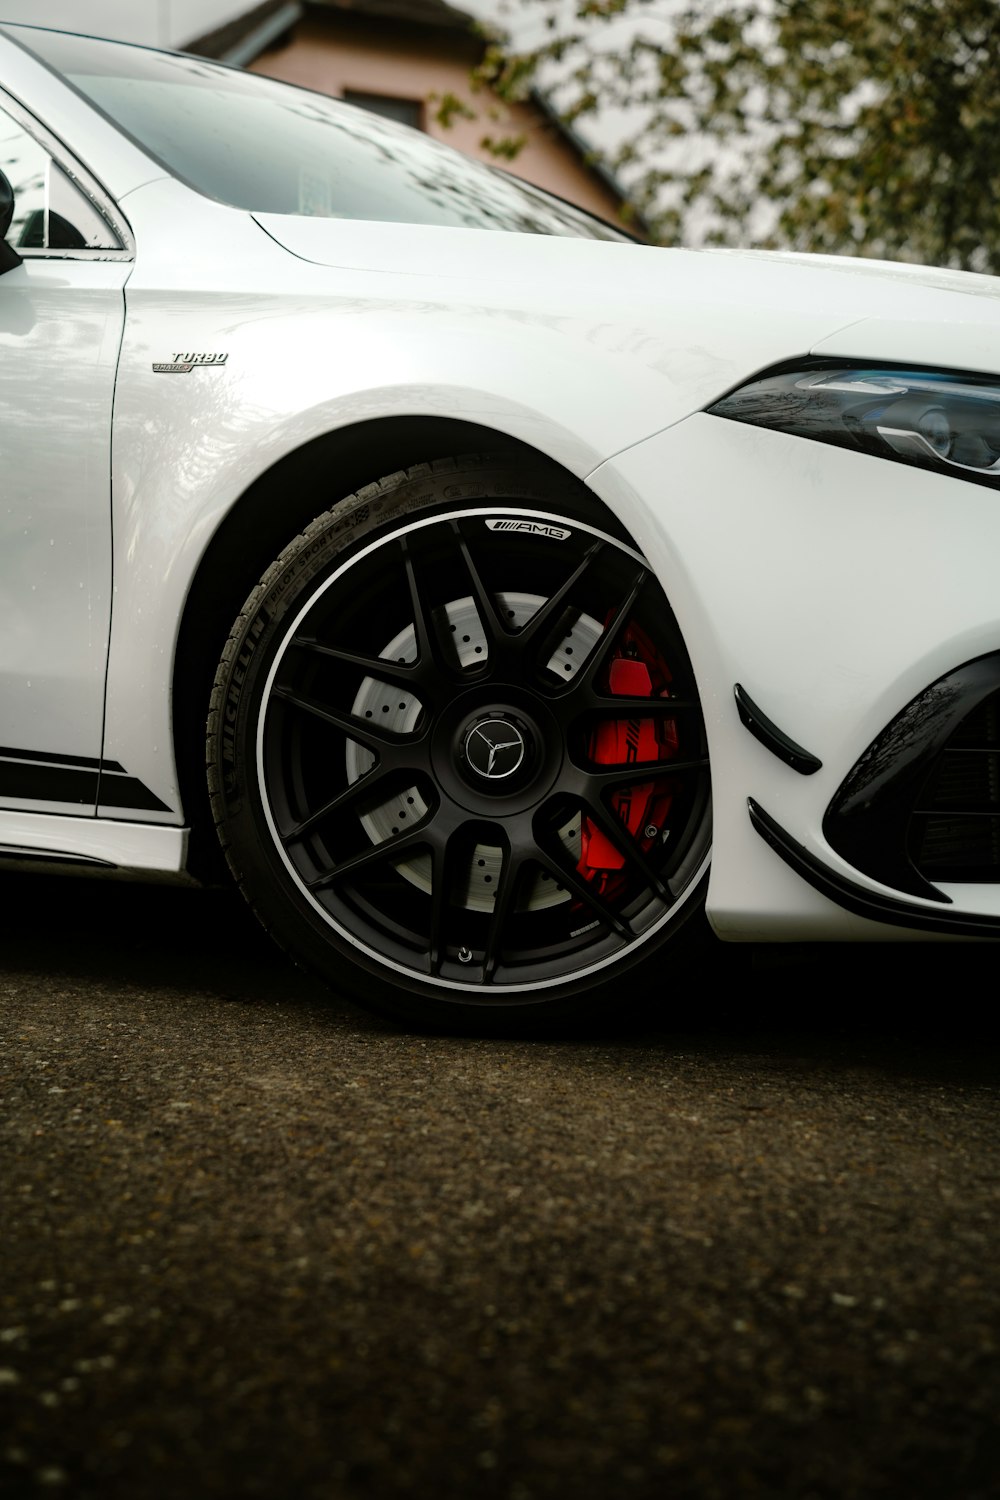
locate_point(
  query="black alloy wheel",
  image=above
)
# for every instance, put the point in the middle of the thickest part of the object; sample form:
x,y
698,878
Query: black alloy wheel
x,y
456,750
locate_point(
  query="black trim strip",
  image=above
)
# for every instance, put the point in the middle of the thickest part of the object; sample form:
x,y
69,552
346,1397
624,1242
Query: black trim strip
x,y
854,898
39,783
31,776
78,761
127,791
774,739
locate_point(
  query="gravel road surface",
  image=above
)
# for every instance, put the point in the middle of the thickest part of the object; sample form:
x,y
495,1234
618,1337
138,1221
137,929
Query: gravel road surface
x,y
258,1244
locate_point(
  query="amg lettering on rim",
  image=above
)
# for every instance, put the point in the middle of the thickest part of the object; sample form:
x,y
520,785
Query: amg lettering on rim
x,y
533,528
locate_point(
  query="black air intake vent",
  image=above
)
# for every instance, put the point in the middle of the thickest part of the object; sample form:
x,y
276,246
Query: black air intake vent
x,y
955,827
921,807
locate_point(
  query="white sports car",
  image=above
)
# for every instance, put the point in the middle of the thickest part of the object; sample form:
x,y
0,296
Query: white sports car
x,y
510,571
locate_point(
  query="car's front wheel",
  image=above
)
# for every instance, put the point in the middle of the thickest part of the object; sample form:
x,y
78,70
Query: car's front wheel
x,y
456,752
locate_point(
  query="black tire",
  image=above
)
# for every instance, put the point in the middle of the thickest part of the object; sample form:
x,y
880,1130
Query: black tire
x,y
456,755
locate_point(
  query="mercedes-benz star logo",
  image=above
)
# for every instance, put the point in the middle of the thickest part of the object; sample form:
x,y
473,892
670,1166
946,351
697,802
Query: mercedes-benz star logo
x,y
494,748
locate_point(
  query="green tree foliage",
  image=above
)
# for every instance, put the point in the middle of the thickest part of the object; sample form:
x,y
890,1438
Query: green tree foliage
x,y
852,126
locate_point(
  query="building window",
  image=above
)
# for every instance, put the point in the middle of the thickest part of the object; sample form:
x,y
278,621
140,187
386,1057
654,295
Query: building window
x,y
406,111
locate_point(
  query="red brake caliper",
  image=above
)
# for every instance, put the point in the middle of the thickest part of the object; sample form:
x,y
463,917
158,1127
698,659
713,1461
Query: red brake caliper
x,y
637,671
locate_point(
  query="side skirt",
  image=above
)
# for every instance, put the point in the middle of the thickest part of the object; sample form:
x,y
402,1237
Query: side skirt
x,y
95,845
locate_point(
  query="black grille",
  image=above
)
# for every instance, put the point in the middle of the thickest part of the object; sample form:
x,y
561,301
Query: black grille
x,y
954,831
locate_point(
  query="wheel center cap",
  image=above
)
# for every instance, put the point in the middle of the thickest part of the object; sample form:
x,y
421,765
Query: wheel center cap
x,y
494,749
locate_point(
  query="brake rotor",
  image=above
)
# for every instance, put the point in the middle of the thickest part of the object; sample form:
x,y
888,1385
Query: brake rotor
x,y
398,710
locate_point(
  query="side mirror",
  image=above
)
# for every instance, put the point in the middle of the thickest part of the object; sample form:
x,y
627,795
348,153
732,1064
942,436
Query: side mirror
x,y
9,257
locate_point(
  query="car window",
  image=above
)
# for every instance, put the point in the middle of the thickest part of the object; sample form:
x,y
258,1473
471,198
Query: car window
x,y
51,215
270,148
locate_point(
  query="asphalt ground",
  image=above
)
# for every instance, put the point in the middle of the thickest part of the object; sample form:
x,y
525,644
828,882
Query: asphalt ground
x,y
258,1244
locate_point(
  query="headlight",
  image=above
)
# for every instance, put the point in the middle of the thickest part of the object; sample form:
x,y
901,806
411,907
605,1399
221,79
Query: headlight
x,y
949,423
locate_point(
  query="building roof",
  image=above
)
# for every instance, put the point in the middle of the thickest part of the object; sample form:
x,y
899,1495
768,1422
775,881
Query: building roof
x,y
251,33
417,12
262,25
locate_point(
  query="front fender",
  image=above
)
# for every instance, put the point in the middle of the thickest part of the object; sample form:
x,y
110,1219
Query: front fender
x,y
238,353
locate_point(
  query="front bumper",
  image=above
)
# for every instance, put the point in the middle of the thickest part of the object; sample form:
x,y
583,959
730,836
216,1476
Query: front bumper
x,y
835,588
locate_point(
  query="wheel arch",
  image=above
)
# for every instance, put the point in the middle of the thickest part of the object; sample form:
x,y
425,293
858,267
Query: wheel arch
x,y
261,522
390,877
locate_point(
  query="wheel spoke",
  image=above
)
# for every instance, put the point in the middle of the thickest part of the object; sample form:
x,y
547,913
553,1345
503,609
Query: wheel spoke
x,y
583,682
494,628
429,648
443,865
547,614
403,674
367,859
382,742
595,781
511,871
608,706
568,877
358,791
616,832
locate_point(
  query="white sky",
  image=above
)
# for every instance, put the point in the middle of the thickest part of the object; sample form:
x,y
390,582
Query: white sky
x,y
524,21
159,23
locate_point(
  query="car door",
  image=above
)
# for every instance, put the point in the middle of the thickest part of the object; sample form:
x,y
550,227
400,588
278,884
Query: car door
x,y
61,318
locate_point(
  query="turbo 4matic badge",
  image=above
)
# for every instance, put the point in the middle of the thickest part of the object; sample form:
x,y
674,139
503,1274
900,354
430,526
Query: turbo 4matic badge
x,y
533,528
183,364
